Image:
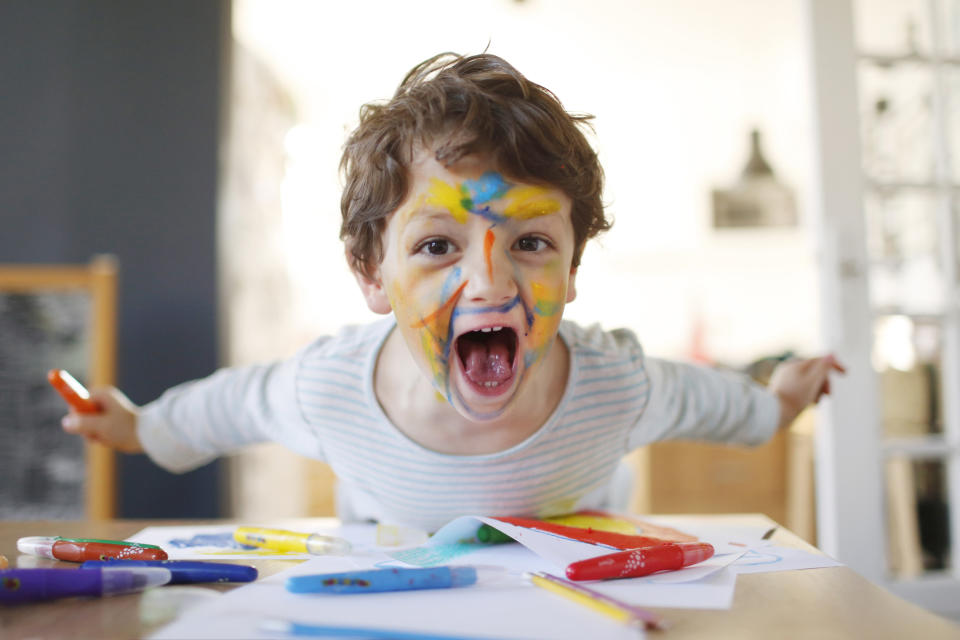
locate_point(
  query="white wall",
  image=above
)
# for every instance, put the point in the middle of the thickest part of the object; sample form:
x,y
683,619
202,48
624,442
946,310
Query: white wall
x,y
676,87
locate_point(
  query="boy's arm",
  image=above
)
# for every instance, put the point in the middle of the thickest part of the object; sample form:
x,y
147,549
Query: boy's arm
x,y
800,383
695,402
193,423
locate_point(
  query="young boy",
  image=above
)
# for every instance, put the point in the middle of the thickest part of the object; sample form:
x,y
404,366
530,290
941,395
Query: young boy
x,y
469,197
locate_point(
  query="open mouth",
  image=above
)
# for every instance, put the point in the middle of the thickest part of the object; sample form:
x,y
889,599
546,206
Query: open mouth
x,y
488,357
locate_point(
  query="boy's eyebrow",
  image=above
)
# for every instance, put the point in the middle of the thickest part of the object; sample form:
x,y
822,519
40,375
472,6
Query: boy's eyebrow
x,y
428,213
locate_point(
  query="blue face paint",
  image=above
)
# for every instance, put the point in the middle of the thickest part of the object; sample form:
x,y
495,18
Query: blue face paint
x,y
489,186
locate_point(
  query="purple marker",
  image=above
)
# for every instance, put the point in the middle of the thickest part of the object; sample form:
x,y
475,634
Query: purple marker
x,y
31,585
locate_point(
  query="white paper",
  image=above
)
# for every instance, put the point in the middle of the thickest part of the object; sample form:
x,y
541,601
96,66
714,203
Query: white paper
x,y
505,608
771,558
503,604
170,540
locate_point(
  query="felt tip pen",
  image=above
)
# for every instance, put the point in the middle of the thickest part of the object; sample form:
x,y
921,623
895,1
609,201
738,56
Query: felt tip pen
x,y
186,571
82,549
72,391
389,579
492,535
336,631
31,585
634,563
282,540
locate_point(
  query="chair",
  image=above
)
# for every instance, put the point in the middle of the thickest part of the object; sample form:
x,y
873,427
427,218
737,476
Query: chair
x,y
46,295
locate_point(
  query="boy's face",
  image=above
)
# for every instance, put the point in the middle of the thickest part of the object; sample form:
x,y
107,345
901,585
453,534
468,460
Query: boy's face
x,y
477,270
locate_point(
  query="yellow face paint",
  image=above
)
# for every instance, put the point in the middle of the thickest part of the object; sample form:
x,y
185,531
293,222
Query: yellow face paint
x,y
529,202
449,197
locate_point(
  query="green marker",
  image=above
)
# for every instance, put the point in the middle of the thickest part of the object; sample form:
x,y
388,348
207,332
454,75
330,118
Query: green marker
x,y
123,542
492,535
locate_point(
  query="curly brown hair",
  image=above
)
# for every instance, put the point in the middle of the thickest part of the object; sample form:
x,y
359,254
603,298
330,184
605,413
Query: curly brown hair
x,y
477,104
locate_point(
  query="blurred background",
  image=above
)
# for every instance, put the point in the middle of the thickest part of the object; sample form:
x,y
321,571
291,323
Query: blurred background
x,y
779,172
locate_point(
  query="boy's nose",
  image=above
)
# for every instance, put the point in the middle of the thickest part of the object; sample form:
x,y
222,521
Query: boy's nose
x,y
489,273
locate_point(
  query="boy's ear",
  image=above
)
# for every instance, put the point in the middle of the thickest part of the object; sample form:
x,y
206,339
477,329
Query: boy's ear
x,y
572,285
373,293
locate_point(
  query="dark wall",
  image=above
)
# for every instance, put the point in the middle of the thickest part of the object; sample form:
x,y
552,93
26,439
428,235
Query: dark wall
x,y
109,123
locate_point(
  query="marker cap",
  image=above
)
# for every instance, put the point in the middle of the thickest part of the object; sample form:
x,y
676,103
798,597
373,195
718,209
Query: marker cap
x,y
321,545
131,579
462,576
694,552
36,546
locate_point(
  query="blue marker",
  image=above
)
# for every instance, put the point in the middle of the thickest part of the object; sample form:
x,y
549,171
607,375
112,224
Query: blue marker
x,y
337,631
390,579
186,571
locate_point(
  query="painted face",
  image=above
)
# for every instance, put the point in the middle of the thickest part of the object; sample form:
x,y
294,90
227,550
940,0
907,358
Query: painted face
x,y
477,270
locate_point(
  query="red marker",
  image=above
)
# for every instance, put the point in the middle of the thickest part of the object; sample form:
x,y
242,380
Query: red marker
x,y
83,549
72,391
633,563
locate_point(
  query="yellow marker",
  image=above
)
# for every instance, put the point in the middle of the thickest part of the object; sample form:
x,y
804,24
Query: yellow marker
x,y
282,540
622,611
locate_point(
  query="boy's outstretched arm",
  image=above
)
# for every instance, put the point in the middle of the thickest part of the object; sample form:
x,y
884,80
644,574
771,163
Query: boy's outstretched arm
x,y
799,383
114,426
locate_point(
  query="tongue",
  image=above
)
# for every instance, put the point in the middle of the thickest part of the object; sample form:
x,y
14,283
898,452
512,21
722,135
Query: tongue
x,y
489,362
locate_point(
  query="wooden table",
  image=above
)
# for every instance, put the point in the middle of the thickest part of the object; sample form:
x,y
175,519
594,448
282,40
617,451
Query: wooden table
x,y
815,603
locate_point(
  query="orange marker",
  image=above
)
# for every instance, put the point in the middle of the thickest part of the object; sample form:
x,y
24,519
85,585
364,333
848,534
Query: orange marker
x,y
72,391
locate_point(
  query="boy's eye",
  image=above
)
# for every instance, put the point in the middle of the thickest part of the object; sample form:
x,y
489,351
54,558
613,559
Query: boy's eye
x,y
435,247
531,243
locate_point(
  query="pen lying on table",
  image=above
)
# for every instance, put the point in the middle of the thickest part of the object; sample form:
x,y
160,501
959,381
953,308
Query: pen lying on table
x,y
616,609
388,579
31,585
634,563
186,571
81,549
337,631
282,540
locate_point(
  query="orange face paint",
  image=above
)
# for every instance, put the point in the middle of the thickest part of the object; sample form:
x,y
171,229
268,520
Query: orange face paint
x,y
488,241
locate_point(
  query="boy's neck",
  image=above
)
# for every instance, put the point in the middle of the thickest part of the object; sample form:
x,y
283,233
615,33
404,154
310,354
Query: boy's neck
x,y
416,409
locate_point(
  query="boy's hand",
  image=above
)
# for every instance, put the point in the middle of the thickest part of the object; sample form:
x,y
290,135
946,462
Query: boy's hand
x,y
115,426
798,383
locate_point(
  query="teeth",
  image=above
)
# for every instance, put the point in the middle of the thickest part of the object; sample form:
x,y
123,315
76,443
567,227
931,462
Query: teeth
x,y
489,329
491,383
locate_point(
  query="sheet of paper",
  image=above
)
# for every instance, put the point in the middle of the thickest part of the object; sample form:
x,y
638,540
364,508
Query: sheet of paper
x,y
771,558
451,544
502,607
522,609
215,542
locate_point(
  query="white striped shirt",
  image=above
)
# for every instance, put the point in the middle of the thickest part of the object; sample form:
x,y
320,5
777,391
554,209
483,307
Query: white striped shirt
x,y
321,404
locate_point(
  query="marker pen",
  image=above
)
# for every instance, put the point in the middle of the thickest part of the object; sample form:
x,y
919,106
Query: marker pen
x,y
186,571
72,391
81,549
389,579
633,563
31,585
281,540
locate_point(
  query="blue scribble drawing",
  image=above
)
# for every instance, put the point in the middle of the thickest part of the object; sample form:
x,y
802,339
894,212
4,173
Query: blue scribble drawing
x,y
222,540
436,554
754,558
